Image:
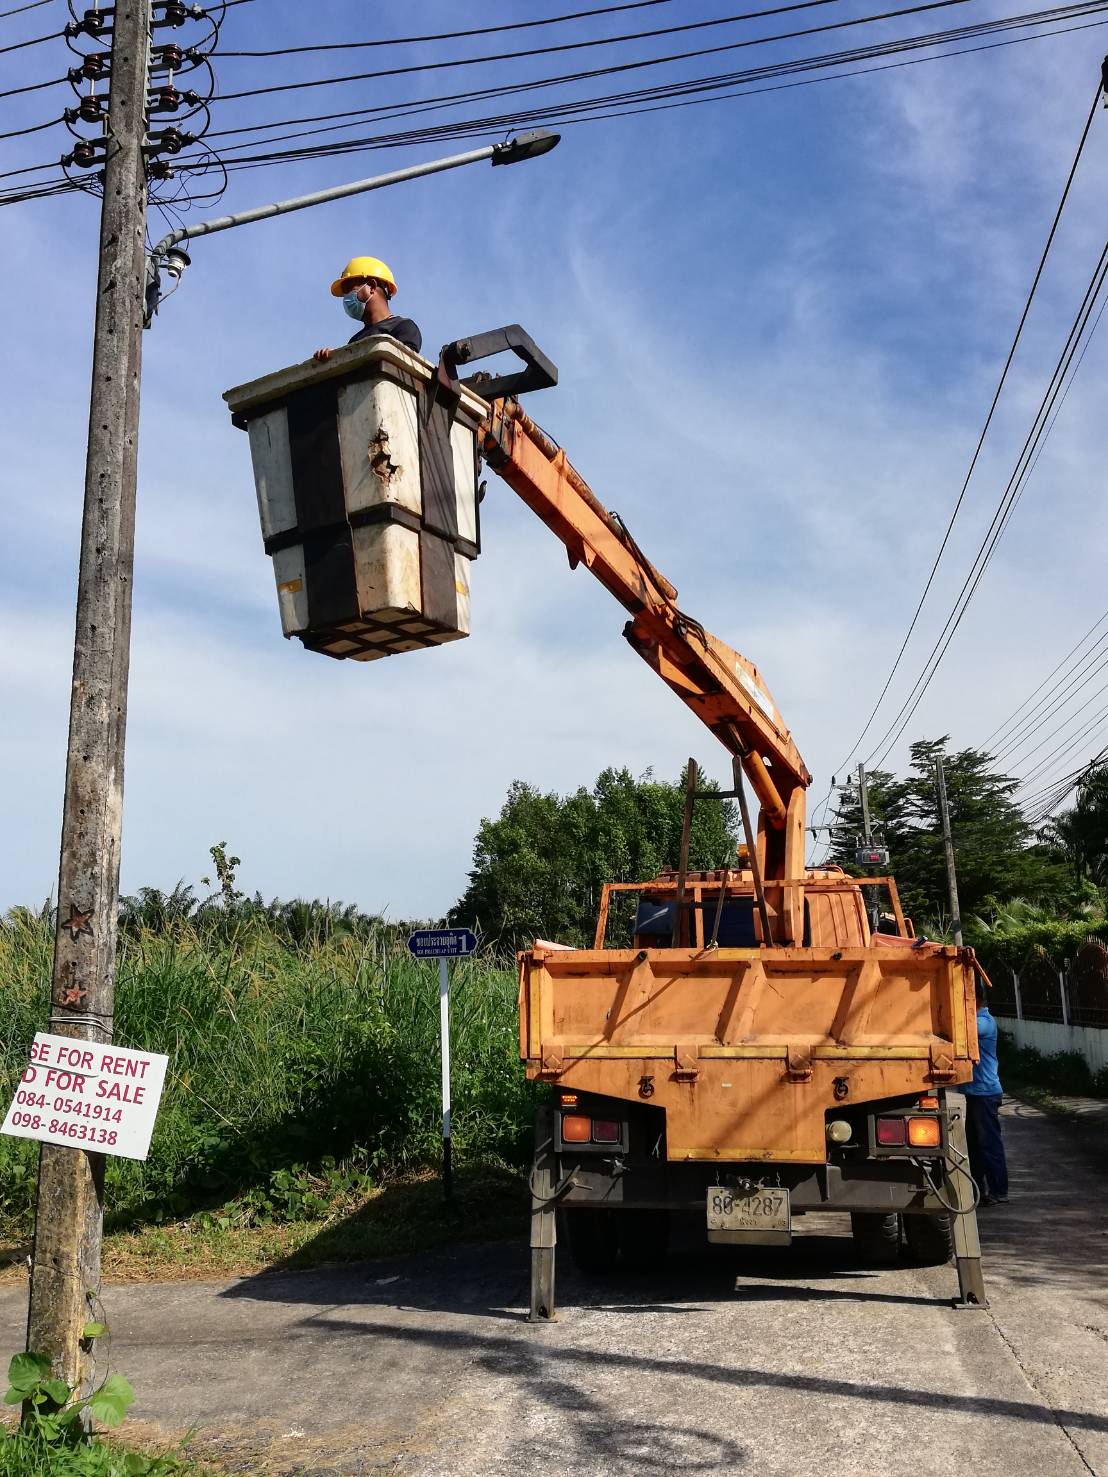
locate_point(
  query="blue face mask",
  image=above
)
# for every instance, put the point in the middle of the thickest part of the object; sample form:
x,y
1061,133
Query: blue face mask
x,y
353,305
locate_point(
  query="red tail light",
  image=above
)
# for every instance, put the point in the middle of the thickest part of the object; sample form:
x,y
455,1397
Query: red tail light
x,y
891,1132
606,1131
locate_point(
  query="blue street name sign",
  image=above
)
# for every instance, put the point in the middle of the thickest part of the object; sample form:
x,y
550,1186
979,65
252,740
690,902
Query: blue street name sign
x,y
442,943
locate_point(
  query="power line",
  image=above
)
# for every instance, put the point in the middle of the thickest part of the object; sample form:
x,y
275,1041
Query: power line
x,y
34,87
1056,731
35,128
1067,746
586,110
984,430
38,40
598,108
609,70
589,110
19,9
1001,728
1089,7
550,20
1011,495
1039,715
1044,802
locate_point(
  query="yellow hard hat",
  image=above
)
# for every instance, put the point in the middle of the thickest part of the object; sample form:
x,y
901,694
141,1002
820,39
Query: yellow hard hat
x,y
364,266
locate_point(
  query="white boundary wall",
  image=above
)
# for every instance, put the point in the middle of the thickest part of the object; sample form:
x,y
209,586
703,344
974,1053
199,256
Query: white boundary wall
x,y
1050,1038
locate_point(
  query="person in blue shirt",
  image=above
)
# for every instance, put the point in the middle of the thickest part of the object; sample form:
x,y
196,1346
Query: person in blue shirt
x,y
984,1096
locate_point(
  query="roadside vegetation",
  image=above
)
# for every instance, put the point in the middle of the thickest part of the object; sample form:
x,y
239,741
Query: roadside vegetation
x,y
303,1086
301,1117
1048,1080
51,1440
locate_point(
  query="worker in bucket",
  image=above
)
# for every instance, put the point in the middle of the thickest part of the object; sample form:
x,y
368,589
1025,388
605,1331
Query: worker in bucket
x,y
367,289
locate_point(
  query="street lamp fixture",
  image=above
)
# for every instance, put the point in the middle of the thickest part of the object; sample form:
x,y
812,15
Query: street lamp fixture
x,y
168,256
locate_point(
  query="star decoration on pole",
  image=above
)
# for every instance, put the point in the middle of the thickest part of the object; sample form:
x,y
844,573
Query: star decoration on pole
x,y
78,922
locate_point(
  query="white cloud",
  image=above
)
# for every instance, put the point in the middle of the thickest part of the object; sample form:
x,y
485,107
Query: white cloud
x,y
778,323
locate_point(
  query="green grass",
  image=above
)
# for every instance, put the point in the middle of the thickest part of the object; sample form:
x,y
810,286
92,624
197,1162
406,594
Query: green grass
x,y
304,1067
23,1455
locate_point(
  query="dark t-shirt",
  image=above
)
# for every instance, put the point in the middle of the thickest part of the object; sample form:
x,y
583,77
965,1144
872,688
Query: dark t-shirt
x,y
402,329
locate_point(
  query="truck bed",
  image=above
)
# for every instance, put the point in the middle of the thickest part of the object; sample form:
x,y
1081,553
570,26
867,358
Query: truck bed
x,y
747,1049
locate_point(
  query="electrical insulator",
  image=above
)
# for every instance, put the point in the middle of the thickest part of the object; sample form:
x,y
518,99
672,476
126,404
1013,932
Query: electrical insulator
x,y
84,153
92,23
168,141
176,13
90,110
92,68
170,56
160,169
165,100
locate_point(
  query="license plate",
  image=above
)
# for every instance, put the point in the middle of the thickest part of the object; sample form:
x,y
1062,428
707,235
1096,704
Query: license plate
x,y
759,1217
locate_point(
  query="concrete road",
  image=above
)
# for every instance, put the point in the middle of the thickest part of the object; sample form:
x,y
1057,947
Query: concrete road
x,y
784,1363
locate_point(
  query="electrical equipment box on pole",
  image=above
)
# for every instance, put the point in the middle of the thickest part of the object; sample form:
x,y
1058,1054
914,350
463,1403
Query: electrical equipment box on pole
x,y
366,474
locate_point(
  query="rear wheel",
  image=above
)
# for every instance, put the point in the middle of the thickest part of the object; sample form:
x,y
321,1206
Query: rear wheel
x,y
593,1240
643,1238
930,1239
876,1238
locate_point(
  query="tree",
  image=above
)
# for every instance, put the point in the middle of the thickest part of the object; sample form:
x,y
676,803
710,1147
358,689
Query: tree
x,y
996,852
538,868
1081,833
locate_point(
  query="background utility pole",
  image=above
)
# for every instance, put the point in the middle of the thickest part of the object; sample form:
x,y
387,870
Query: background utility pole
x,y
948,845
69,1212
863,791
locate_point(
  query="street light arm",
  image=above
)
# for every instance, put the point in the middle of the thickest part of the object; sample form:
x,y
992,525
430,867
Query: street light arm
x,y
514,150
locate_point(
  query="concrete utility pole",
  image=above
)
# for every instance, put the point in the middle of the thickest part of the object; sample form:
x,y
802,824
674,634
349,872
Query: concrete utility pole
x,y
863,790
65,1264
948,845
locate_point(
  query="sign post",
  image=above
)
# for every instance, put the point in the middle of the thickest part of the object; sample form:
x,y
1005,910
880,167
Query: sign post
x,y
443,944
444,1056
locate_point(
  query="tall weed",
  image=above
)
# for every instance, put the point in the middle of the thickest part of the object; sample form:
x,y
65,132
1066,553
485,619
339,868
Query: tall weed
x,y
294,1047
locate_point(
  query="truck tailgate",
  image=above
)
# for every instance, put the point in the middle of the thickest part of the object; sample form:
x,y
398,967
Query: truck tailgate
x,y
746,1049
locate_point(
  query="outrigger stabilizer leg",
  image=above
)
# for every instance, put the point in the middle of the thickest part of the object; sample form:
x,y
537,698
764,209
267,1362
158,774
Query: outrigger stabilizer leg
x,y
967,1243
544,1234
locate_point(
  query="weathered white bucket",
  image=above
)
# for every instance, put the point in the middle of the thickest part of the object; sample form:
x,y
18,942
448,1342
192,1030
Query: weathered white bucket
x,y
366,474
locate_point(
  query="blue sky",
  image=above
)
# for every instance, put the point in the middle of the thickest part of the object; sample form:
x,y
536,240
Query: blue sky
x,y
779,321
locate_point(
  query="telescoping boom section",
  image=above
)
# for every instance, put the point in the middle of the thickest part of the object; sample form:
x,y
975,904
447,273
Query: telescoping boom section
x,y
719,684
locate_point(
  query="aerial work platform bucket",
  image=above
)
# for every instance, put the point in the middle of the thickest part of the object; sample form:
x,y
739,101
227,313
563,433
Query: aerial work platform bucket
x,y
366,473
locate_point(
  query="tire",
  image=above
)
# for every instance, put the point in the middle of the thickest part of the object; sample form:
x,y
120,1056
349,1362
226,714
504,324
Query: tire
x,y
643,1239
876,1238
930,1239
593,1240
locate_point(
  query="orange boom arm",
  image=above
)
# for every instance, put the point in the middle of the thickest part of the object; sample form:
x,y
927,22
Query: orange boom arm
x,y
723,689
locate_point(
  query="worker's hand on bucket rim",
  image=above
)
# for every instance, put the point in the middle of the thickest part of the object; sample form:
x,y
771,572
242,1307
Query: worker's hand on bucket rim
x,y
321,356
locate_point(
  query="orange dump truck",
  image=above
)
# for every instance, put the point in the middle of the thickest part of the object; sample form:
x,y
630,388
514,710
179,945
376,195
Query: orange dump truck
x,y
745,1085
747,1050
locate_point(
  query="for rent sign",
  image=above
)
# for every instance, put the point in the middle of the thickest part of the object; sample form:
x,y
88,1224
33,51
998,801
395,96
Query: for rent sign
x,y
88,1096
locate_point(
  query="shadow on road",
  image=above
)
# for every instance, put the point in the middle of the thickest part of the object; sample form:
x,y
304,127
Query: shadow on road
x,y
512,1357
490,1280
